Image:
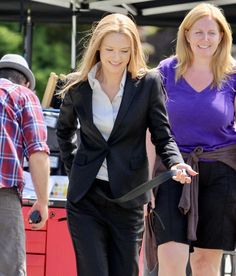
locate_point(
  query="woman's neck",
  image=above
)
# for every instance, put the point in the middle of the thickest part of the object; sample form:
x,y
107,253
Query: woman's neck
x,y
110,83
201,65
109,79
199,75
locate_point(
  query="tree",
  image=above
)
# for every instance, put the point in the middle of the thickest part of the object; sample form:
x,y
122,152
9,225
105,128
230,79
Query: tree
x,y
51,53
50,49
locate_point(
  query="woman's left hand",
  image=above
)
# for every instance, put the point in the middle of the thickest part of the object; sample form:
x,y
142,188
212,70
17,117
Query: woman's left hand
x,y
184,173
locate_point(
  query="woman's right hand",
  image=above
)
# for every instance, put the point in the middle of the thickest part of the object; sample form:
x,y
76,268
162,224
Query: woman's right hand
x,y
183,173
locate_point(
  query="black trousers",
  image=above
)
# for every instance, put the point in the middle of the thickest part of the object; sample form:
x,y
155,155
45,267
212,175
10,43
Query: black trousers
x,y
106,237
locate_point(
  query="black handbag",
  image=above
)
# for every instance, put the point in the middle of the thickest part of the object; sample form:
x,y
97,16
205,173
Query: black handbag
x,y
150,261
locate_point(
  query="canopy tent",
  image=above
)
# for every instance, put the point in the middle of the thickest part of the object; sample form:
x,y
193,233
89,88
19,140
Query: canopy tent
x,y
145,12
165,13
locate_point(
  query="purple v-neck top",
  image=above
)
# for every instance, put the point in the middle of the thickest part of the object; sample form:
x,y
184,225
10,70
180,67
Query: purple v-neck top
x,y
203,118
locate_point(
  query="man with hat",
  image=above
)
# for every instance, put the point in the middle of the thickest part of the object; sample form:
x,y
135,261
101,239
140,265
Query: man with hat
x,y
23,135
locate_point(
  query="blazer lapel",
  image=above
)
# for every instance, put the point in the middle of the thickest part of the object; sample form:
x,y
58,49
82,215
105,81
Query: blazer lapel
x,y
129,92
88,110
87,94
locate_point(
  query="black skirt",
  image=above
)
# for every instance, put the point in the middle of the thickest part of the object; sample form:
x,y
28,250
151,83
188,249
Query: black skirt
x,y
217,209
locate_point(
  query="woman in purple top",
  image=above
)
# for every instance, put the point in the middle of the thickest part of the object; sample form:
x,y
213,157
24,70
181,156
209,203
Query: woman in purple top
x,y
200,84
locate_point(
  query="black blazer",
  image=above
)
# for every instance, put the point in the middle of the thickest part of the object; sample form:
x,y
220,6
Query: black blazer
x,y
142,107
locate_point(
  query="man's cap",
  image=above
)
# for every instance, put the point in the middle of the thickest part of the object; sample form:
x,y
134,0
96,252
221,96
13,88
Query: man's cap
x,y
14,61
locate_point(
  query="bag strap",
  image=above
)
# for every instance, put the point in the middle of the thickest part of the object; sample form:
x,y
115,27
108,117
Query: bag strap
x,y
141,189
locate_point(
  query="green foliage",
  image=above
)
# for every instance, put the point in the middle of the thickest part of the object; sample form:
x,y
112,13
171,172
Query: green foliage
x,y
51,50
10,42
51,53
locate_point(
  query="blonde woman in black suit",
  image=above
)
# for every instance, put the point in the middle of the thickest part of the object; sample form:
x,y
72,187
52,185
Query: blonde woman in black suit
x,y
115,99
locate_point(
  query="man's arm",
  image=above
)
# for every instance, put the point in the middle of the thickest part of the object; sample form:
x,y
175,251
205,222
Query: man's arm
x,y
39,166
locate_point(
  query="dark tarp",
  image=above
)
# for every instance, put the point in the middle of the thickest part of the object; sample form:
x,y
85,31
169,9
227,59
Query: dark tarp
x,y
165,13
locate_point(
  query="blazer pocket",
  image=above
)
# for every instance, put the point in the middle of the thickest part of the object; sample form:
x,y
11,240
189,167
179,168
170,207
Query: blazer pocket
x,y
137,163
81,159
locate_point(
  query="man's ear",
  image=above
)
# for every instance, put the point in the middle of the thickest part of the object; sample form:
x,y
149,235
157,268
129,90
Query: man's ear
x,y
27,84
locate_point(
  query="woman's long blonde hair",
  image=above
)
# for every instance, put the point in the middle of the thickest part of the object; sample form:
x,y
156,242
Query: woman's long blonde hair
x,y
222,61
118,23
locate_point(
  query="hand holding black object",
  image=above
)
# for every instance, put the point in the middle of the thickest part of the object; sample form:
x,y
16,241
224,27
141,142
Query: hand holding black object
x,y
35,217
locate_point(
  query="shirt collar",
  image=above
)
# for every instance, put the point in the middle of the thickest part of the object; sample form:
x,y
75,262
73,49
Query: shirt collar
x,y
5,81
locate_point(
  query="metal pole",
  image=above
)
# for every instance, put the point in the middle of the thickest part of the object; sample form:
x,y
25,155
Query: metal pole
x,y
73,36
28,38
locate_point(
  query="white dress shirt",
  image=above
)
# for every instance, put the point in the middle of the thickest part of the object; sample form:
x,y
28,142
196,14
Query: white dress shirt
x,y
104,111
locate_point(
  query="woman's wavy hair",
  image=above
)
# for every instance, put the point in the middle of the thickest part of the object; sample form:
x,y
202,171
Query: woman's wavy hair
x,y
222,63
111,23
